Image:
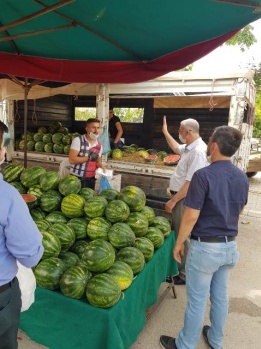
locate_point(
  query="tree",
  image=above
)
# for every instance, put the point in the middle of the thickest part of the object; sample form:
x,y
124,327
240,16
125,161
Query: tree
x,y
257,122
244,38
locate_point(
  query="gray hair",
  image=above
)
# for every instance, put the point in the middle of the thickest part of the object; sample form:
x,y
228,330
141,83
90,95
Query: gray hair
x,y
190,125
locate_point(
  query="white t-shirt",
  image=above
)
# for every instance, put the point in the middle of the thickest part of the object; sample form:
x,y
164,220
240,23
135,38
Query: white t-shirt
x,y
192,158
76,145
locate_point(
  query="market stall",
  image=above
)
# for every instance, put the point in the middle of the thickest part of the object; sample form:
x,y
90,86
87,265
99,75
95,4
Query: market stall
x,y
59,322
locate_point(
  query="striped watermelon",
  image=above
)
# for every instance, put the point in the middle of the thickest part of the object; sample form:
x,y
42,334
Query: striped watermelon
x,y
86,193
19,186
163,224
48,272
12,172
47,138
66,149
51,244
49,180
39,146
121,235
109,194
38,137
138,223
103,291
145,246
48,147
37,213
117,211
148,212
73,282
67,139
134,197
132,256
57,138
36,191
69,258
98,228
99,255
122,273
79,225
78,247
95,207
42,224
73,206
65,234
51,200
156,236
30,176
56,217
69,185
30,200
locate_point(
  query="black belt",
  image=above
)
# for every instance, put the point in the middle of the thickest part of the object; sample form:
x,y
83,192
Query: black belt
x,y
173,192
5,287
213,238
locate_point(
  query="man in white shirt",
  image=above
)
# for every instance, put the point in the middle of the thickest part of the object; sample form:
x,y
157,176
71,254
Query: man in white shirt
x,y
192,157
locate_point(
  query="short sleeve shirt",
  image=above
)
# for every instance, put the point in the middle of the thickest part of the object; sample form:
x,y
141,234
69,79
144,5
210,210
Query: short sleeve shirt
x,y
192,158
112,126
76,145
220,192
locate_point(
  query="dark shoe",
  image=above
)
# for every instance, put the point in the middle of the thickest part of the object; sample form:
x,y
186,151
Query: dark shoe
x,y
168,342
178,281
205,334
169,279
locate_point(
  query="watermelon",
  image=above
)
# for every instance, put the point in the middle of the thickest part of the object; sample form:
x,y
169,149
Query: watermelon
x,y
30,145
79,225
29,199
73,282
50,200
69,258
36,191
57,138
103,291
47,138
21,145
69,185
66,149
156,236
122,273
117,211
171,160
145,246
12,172
148,212
98,228
30,176
78,247
56,217
86,193
42,224
121,235
65,234
67,139
99,255
163,224
162,155
109,194
48,272
39,146
143,153
138,223
73,206
151,158
37,213
152,151
38,137
42,129
19,186
133,257
116,154
48,148
95,207
51,244
58,148
49,180
63,130
134,197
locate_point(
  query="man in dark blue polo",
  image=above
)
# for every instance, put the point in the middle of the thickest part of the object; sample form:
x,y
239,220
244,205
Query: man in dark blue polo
x,y
216,196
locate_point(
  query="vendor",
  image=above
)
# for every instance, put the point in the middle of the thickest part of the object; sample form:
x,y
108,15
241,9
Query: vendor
x,y
115,130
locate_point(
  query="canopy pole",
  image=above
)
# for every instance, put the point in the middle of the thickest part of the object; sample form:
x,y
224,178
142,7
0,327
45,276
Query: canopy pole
x,y
26,91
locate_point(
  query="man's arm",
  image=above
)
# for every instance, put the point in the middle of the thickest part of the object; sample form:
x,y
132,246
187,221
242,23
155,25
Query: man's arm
x,y
188,221
170,140
119,133
181,194
75,159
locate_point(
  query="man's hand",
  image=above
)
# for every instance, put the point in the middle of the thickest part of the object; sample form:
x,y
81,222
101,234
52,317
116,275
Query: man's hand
x,y
170,205
93,156
178,251
164,125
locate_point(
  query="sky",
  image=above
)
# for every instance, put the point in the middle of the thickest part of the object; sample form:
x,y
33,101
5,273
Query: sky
x,y
230,58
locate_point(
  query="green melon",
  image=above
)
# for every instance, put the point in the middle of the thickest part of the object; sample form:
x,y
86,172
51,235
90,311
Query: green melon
x,y
138,223
78,247
69,185
134,197
65,234
98,228
12,172
37,213
133,257
42,129
73,282
109,194
95,207
39,146
51,244
38,137
148,212
42,224
51,200
48,272
56,217
156,236
99,255
103,291
121,235
67,139
47,138
79,225
66,149
49,180
69,258
116,154
48,148
163,224
57,138
117,211
145,246
36,191
30,176
86,193
19,186
122,273
73,206
58,148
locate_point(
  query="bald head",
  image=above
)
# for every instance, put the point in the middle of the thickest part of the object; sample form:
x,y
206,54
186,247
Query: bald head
x,y
190,125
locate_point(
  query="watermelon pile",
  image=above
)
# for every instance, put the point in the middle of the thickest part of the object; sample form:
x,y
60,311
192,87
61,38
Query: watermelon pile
x,y
94,245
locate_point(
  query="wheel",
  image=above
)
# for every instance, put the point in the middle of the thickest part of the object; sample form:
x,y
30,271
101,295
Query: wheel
x,y
251,174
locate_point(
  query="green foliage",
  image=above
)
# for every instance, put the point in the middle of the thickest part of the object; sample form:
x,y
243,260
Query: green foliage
x,y
134,115
257,122
82,114
244,38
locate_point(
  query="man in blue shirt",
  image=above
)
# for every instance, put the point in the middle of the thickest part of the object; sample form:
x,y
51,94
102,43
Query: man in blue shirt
x,y
20,240
216,196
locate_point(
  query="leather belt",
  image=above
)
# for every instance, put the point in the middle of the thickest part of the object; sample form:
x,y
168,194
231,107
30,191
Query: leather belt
x,y
173,192
5,287
213,238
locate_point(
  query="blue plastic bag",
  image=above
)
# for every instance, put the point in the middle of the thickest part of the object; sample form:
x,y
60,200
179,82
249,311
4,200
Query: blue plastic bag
x,y
104,140
104,184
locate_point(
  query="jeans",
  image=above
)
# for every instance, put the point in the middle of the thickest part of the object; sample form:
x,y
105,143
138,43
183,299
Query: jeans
x,y
208,267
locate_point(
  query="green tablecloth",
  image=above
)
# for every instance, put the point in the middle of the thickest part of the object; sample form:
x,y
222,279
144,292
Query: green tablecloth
x,y
59,322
